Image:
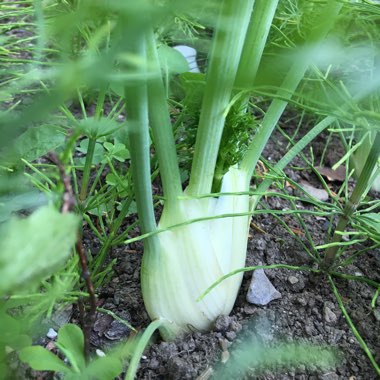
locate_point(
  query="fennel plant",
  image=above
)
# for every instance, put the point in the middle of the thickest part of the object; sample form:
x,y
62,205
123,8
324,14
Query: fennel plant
x,y
201,235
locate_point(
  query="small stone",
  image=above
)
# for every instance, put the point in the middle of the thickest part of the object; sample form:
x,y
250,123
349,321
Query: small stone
x,y
100,353
293,280
51,334
319,194
376,313
328,315
261,291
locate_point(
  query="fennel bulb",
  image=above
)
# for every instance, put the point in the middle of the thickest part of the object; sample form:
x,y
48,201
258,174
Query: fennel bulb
x,y
181,263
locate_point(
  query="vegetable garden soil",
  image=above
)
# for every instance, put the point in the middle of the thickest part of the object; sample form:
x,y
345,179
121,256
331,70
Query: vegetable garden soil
x,y
307,311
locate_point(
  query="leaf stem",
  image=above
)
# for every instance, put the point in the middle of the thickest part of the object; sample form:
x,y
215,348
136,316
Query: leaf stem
x,y
228,43
87,169
160,123
322,25
136,104
353,202
352,327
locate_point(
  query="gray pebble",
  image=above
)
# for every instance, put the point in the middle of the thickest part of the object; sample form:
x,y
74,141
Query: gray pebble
x,y
261,291
51,334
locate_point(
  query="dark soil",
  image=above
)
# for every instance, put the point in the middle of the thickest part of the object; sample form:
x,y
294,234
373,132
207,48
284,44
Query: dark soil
x,y
307,312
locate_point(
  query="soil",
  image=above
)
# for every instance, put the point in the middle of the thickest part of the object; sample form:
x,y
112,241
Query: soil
x,y
306,312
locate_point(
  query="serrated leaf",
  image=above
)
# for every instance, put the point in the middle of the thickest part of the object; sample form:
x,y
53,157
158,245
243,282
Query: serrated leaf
x,y
95,128
71,342
41,359
34,247
117,151
112,179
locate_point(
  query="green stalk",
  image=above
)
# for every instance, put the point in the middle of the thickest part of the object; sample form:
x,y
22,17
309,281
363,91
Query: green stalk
x,y
142,343
110,238
353,328
256,38
87,169
353,202
321,27
162,129
136,104
91,149
228,43
292,153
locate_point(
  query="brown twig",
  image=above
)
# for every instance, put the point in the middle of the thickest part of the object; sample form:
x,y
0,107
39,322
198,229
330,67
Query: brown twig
x,y
68,204
89,319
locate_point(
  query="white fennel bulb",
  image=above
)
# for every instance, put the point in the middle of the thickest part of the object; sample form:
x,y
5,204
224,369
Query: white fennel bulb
x,y
181,263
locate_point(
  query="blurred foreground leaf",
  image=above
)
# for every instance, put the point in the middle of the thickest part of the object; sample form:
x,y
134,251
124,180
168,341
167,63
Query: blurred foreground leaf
x,y
34,143
254,358
34,247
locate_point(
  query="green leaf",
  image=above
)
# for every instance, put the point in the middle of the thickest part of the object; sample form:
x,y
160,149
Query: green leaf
x,y
36,142
41,359
98,153
34,247
12,203
71,342
171,60
117,151
105,368
12,332
95,128
372,221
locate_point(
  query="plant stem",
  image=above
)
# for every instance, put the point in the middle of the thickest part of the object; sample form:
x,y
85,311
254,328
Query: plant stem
x,y
91,148
140,347
162,129
292,153
87,169
225,55
353,202
322,25
257,34
136,104
114,229
353,328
